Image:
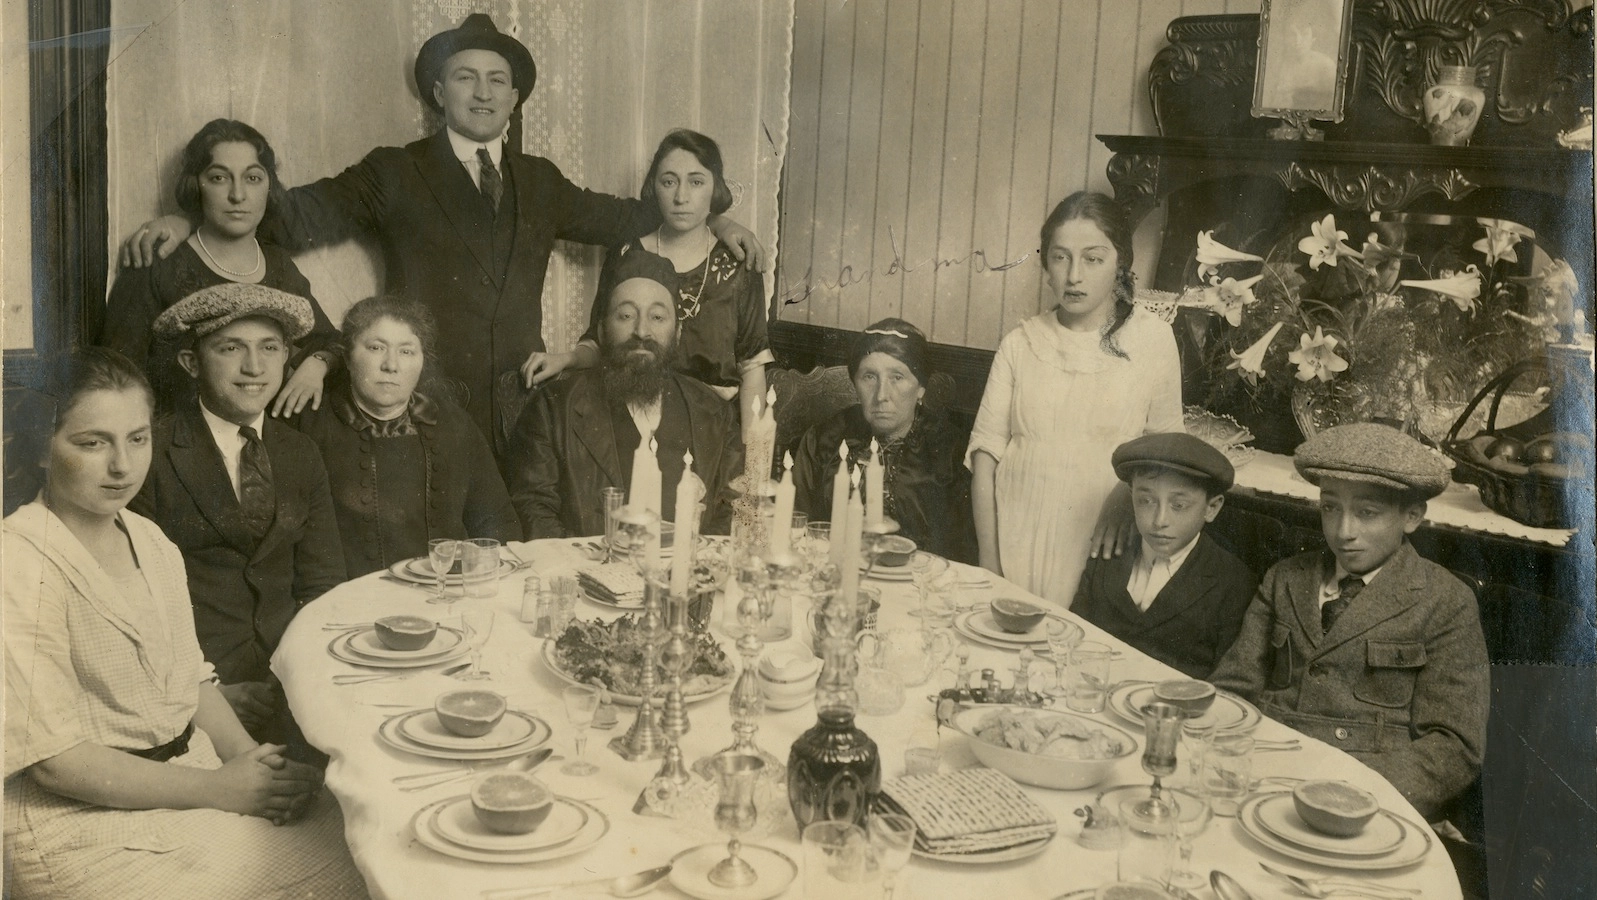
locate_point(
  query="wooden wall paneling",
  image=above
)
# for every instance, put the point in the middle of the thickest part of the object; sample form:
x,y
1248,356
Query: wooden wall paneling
x,y
961,141
856,257
926,159
893,184
997,159
1242,6
1153,17
1036,146
799,170
1114,90
835,134
1202,8
1074,95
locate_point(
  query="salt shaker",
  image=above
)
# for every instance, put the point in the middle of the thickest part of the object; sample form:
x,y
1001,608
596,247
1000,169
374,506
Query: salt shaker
x,y
535,606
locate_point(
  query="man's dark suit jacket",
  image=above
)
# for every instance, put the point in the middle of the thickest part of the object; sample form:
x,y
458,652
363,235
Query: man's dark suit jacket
x,y
443,246
243,592
1193,620
565,450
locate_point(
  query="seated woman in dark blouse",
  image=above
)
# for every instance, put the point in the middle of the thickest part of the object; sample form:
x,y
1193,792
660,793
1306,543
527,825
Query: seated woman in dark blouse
x,y
404,466
227,185
927,484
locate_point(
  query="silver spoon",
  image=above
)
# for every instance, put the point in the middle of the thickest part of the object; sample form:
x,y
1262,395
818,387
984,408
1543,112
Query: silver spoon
x,y
425,780
1226,887
634,885
1325,887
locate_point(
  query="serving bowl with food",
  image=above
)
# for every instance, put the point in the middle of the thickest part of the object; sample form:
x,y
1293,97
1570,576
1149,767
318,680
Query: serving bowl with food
x,y
592,651
1044,747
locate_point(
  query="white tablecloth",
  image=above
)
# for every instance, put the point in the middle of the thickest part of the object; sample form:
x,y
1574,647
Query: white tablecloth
x,y
1459,506
342,721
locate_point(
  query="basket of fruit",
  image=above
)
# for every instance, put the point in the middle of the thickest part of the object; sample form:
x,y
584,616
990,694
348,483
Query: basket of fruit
x,y
1530,472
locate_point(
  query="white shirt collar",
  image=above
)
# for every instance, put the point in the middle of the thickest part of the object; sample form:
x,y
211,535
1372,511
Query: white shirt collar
x,y
1149,557
229,441
1331,588
466,149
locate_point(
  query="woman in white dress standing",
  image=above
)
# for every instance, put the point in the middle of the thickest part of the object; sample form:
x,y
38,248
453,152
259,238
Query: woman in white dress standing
x,y
1067,387
126,772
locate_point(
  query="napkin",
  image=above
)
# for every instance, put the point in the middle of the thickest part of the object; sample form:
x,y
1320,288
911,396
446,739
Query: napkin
x,y
968,811
617,583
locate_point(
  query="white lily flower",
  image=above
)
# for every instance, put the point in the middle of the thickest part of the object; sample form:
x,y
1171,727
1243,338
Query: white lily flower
x,y
1316,356
1498,244
1326,244
1212,254
1250,362
1460,287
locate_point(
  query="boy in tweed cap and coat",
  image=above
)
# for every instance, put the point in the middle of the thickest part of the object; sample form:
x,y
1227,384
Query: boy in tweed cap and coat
x,y
1369,647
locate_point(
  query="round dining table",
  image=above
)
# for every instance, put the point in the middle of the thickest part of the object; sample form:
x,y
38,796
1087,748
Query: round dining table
x,y
343,720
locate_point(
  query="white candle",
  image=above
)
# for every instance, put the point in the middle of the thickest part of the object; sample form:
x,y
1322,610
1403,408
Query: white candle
x,y
853,533
782,522
839,504
649,497
873,484
645,488
687,525
761,446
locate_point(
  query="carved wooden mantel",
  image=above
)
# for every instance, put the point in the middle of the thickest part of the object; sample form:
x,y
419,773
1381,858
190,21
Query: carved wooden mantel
x,y
1548,189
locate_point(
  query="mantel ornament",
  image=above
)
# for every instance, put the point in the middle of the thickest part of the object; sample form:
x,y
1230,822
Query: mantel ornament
x,y
1374,188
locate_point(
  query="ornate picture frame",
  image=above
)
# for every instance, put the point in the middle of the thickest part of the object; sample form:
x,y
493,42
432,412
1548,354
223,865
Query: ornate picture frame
x,y
1302,74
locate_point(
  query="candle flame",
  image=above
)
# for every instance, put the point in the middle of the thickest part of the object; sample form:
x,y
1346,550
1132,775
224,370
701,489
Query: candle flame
x,y
787,459
873,448
770,396
687,460
654,445
842,450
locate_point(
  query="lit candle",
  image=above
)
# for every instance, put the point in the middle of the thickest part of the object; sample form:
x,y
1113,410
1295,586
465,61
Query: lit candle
x,y
687,525
782,522
645,489
761,446
873,484
839,504
649,497
853,533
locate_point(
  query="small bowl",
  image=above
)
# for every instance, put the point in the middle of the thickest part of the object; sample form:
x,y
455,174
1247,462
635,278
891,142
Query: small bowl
x,y
1335,808
1016,616
470,713
784,695
405,632
1035,768
511,802
1192,696
894,551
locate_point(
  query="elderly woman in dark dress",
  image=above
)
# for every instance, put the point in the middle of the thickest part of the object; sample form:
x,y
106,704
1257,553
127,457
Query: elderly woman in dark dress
x,y
404,466
927,484
227,185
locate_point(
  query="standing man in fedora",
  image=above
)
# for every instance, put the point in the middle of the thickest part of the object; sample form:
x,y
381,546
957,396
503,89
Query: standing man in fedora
x,y
465,221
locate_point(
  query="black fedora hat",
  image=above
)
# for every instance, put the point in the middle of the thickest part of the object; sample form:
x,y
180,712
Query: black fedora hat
x,y
477,32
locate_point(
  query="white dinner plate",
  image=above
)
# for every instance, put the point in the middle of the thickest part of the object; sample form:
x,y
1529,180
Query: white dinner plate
x,y
979,623
427,835
629,606
341,650
457,823
1279,816
420,571
390,734
628,699
1416,842
774,871
423,727
366,643
985,857
1228,712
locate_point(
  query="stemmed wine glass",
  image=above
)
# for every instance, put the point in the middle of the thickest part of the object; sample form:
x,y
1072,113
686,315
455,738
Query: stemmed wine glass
x,y
581,701
1161,723
478,623
1194,817
441,555
891,837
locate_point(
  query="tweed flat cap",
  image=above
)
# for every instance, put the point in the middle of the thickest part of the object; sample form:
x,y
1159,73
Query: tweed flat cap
x,y
1377,454
1177,451
209,309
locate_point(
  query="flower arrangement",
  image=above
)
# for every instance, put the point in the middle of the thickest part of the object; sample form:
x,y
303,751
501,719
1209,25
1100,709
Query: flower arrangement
x,y
1357,333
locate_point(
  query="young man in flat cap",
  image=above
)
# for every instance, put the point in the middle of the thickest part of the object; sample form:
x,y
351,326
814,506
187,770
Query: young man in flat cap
x,y
1371,648
1178,597
580,435
466,222
245,497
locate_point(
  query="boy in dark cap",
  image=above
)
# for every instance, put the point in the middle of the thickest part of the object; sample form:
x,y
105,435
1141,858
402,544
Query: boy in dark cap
x,y
1371,648
1179,597
579,436
243,495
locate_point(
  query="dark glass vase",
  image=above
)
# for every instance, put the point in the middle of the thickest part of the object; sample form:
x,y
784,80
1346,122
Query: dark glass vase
x,y
833,772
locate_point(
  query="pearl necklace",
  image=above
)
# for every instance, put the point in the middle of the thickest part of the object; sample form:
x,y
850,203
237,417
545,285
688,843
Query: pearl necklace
x,y
260,258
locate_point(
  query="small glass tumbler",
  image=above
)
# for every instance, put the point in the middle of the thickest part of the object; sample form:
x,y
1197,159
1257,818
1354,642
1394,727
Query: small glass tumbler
x,y
533,612
1148,853
838,863
611,499
1227,767
479,567
819,543
1088,677
562,603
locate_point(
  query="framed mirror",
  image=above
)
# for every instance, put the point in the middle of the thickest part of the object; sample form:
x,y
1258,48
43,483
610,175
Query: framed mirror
x,y
1303,64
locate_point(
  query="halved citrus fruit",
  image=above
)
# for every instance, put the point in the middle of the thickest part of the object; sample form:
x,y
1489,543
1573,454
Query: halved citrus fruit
x,y
469,713
511,802
1193,696
1016,616
405,632
1334,807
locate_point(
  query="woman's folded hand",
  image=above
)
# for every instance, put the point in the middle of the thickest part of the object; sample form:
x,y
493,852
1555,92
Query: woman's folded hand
x,y
261,782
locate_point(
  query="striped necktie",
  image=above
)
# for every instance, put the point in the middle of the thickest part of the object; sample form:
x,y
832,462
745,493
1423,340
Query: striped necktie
x,y
255,494
491,185
1333,609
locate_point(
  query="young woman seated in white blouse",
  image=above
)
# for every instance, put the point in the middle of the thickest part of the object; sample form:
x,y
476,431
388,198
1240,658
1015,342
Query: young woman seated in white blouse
x,y
126,772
